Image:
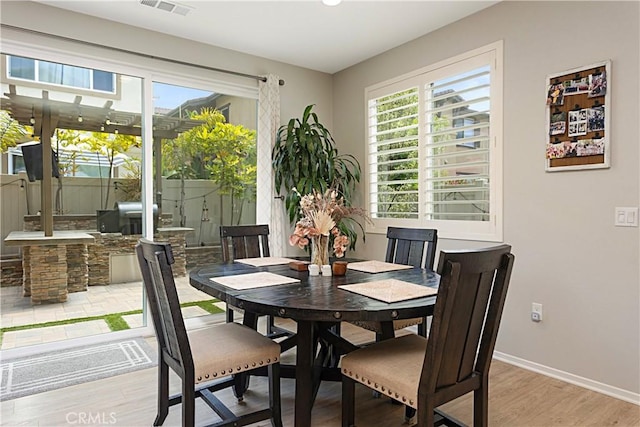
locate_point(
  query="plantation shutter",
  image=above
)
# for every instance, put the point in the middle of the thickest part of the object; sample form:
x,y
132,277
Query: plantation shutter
x,y
434,146
458,147
393,155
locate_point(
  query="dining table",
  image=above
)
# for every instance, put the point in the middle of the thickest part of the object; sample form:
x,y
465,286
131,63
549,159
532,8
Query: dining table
x,y
318,304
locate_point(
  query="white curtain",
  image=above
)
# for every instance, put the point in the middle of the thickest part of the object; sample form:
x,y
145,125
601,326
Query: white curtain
x,y
269,209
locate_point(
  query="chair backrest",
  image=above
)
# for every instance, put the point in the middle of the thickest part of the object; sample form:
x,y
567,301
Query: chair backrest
x,y
407,246
471,296
244,241
155,261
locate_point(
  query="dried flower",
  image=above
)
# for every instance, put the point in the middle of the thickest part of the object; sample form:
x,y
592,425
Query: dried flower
x,y
321,214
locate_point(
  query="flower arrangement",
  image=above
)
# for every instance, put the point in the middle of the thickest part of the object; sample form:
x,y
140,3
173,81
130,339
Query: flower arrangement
x,y
320,219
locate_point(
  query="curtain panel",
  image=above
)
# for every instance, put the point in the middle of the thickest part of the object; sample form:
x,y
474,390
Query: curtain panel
x,y
269,209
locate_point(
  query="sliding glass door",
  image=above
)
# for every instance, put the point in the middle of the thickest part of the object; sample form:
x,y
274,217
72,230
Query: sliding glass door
x,y
204,145
90,120
101,119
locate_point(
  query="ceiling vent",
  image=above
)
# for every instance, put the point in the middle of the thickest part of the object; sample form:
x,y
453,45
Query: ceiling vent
x,y
167,6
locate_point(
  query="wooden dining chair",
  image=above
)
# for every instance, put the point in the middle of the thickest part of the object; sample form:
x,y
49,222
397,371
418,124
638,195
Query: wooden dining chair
x,y
426,373
243,241
408,246
204,359
247,241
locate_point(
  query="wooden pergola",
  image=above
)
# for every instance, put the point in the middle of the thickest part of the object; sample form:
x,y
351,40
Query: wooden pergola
x,y
45,115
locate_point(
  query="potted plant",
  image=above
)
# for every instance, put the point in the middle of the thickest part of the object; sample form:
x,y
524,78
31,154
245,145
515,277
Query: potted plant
x,y
306,161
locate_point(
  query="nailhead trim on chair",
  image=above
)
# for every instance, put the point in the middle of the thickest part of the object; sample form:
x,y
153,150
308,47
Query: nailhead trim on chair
x,y
379,387
397,324
230,371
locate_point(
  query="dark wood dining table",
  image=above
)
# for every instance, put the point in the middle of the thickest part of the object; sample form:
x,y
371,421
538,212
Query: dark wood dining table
x,y
317,306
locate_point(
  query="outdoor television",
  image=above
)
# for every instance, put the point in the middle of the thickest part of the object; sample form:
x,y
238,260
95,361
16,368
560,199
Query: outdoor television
x,y
32,155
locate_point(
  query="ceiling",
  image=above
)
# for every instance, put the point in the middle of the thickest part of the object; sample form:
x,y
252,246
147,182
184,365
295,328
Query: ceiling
x,y
305,33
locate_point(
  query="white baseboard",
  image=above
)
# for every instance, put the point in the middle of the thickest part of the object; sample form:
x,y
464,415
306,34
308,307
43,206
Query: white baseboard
x,y
596,386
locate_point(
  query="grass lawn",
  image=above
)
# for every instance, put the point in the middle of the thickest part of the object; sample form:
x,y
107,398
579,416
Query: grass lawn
x,y
115,321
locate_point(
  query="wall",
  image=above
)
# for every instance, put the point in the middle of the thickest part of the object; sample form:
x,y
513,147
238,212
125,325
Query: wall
x,y
569,255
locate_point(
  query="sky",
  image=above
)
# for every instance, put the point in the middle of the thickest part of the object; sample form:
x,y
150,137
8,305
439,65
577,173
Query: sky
x,y
170,96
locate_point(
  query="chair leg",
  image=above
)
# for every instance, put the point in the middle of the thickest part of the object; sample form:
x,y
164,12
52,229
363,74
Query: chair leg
x,y
270,324
426,414
422,328
274,394
188,402
481,404
409,413
348,401
163,392
240,385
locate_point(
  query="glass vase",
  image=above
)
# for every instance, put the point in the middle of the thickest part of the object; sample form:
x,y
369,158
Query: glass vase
x,y
320,250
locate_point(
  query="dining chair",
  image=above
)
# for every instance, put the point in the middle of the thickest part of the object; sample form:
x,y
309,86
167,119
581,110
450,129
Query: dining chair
x,y
455,360
247,241
408,246
205,359
243,241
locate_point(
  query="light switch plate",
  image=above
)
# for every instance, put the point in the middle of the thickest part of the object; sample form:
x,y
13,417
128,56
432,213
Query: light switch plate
x,y
626,217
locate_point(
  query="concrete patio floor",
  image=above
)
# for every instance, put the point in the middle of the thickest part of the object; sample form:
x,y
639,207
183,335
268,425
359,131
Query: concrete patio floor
x,y
16,310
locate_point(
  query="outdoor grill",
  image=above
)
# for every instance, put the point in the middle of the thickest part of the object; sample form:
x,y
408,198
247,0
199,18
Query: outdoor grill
x,y
126,218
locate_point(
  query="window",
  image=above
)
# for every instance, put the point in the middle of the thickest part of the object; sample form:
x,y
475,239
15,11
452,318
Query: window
x,y
434,148
60,74
467,133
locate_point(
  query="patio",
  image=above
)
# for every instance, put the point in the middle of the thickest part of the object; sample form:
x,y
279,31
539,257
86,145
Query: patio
x,y
17,310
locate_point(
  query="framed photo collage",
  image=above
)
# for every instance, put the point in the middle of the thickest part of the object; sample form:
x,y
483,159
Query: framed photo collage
x,y
578,118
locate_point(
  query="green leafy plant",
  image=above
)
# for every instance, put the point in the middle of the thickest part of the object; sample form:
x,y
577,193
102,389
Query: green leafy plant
x,y
130,188
11,132
306,159
218,151
110,145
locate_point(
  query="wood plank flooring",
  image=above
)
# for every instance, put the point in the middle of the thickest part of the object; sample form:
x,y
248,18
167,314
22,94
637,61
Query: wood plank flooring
x,y
517,398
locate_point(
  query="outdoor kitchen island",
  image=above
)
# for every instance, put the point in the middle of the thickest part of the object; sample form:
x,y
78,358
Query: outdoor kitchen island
x,y
73,259
52,266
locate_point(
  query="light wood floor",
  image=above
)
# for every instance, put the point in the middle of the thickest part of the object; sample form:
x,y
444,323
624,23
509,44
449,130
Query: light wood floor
x,y
517,398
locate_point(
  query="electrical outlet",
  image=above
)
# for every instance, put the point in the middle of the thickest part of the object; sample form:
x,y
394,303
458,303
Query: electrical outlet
x,y
536,312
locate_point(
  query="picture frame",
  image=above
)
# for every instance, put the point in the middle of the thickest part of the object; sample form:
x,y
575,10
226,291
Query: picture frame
x,y
578,117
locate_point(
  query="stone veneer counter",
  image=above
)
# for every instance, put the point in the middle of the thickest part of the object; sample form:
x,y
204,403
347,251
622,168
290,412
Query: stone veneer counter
x,y
70,261
108,244
52,266
28,238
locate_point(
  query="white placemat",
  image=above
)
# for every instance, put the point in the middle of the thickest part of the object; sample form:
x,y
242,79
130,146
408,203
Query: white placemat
x,y
391,290
376,266
253,280
264,261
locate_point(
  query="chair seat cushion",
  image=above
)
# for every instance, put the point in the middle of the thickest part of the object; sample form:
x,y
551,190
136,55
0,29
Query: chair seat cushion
x,y
229,348
392,367
397,324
